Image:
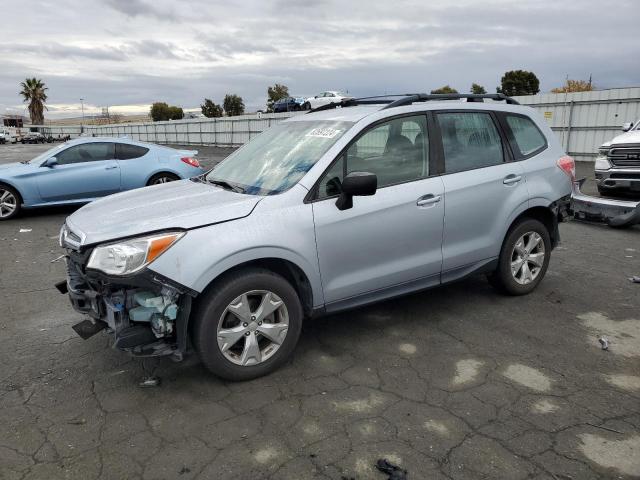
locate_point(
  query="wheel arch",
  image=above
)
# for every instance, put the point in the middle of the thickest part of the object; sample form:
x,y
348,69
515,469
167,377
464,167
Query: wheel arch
x,y
14,187
544,213
162,170
286,268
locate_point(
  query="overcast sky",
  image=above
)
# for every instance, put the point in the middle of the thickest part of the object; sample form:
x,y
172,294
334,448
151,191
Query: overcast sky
x,y
130,53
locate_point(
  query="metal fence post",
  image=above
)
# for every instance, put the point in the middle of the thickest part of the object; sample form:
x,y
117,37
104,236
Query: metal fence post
x,y
566,148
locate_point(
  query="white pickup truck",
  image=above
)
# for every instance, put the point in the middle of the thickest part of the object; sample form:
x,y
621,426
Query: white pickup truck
x,y
617,167
7,136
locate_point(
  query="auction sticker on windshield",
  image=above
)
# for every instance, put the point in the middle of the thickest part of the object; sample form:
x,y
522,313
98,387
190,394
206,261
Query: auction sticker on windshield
x,y
323,132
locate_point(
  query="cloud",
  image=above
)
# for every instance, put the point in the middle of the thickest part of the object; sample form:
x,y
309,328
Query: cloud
x,y
140,51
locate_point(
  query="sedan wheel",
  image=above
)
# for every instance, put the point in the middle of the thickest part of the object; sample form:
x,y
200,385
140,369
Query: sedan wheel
x,y
252,327
9,204
527,258
161,178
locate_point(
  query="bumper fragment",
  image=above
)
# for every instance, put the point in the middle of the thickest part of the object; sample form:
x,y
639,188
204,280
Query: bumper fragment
x,y
613,212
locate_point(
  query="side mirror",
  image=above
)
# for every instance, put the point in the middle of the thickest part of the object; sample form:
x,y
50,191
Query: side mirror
x,y
356,184
627,126
50,162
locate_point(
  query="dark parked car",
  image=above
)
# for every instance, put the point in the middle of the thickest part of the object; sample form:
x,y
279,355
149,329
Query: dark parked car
x,y
288,104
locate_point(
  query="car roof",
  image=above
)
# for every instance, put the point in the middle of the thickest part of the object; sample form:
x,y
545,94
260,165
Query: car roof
x,y
80,140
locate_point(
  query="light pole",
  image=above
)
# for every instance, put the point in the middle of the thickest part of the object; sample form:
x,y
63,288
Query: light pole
x,y
82,123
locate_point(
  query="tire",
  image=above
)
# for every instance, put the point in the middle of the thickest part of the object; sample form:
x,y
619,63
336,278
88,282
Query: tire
x,y
306,106
10,202
162,177
511,283
212,314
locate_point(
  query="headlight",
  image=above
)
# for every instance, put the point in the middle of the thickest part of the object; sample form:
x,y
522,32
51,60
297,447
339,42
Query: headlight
x,y
602,163
129,256
603,151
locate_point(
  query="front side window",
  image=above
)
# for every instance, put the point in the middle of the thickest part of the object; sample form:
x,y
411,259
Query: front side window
x,y
470,140
279,157
396,151
527,136
86,152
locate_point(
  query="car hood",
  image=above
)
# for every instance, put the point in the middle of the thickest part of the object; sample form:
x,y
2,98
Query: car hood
x,y
7,168
627,137
183,204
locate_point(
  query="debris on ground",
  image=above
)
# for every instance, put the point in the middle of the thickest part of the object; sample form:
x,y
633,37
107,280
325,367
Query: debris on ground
x,y
634,279
604,342
25,230
148,382
184,470
394,471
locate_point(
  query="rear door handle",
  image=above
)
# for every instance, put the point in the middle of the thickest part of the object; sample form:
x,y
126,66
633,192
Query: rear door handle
x,y
511,179
111,167
427,200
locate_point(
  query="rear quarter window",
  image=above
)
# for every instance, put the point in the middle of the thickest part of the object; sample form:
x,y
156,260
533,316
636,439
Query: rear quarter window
x,y
527,138
125,151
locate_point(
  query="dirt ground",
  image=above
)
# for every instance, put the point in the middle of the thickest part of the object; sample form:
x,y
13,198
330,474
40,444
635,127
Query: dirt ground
x,y
457,382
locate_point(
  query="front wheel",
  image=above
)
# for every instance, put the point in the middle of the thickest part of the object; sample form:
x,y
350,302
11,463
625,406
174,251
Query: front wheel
x,y
247,325
9,202
524,258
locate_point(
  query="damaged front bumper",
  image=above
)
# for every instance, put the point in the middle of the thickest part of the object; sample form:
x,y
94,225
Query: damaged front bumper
x,y
616,213
146,313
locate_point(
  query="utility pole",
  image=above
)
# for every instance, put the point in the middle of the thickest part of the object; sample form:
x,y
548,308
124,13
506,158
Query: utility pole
x,y
82,123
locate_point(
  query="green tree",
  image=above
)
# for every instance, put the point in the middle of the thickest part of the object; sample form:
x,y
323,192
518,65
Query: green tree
x,y
211,109
445,89
519,82
233,105
477,89
275,93
34,92
159,112
176,113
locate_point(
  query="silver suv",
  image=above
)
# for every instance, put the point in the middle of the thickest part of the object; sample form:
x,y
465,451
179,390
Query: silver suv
x,y
323,212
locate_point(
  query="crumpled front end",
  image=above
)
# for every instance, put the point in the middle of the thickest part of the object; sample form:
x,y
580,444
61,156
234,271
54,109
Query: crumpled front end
x,y
146,314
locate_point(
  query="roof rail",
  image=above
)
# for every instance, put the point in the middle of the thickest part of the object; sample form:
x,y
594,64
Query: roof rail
x,y
410,98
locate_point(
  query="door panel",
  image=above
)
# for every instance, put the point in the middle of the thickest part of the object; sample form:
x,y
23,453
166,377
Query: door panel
x,y
83,172
384,240
478,206
482,188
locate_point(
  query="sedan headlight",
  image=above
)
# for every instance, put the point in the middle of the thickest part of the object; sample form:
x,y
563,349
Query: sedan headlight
x,y
129,256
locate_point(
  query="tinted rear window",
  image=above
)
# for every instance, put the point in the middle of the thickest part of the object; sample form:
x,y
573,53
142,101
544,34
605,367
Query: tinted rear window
x,y
125,151
528,138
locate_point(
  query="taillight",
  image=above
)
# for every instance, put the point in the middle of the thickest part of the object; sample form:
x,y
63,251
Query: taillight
x,y
568,165
191,161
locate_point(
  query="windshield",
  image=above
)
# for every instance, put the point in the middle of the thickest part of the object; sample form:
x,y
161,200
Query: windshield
x,y
52,152
278,158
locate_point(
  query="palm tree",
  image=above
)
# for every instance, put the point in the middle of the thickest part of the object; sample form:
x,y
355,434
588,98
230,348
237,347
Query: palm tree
x,y
33,91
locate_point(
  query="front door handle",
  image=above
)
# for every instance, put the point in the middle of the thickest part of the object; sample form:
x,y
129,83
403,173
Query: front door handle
x,y
110,167
511,179
427,200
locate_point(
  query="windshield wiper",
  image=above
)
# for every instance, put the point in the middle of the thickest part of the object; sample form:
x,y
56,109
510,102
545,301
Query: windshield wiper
x,y
226,185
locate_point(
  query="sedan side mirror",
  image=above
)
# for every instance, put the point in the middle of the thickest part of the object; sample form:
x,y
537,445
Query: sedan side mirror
x,y
356,184
627,126
50,162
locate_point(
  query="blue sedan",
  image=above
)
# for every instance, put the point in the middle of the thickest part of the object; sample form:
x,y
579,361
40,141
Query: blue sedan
x,y
84,169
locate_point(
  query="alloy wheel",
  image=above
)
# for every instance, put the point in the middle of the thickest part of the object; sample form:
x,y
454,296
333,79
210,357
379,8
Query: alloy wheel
x,y
527,258
252,327
8,203
160,180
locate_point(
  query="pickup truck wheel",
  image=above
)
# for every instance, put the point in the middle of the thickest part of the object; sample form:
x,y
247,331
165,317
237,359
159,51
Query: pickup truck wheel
x,y
9,202
247,325
524,258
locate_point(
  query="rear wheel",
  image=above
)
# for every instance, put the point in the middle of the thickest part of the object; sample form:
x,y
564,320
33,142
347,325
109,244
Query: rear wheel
x,y
9,202
524,258
247,325
163,177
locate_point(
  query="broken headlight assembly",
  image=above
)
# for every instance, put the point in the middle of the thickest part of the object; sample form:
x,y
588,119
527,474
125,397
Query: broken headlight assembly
x,y
602,162
129,256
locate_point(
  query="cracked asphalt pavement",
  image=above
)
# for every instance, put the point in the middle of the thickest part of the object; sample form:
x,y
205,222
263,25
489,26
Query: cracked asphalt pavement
x,y
457,382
